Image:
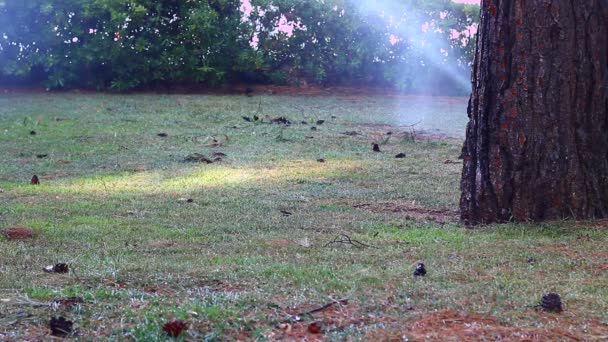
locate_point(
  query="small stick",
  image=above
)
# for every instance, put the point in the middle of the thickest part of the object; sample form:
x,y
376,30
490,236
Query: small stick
x,y
27,301
326,306
347,240
295,318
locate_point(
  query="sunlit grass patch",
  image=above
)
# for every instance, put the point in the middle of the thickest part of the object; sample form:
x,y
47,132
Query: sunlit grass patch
x,y
188,180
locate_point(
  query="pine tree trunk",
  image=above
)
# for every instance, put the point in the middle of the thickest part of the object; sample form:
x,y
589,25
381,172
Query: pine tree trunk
x,y
537,140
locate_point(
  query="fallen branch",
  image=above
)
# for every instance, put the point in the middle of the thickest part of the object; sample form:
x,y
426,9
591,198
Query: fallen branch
x,y
345,239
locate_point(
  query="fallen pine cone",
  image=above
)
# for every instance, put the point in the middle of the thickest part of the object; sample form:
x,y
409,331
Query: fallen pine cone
x,y
60,326
281,120
420,270
17,233
57,268
218,142
175,327
35,180
197,158
551,302
314,328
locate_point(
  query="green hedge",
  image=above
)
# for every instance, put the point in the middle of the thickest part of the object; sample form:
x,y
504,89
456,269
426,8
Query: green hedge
x,y
127,44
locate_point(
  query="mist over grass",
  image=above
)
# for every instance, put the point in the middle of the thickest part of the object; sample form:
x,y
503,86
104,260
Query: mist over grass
x,y
422,30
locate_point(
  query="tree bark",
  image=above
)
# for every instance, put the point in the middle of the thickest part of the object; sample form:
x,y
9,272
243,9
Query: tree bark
x,y
536,145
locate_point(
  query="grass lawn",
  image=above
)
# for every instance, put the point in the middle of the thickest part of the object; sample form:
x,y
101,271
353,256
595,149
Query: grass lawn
x,y
238,247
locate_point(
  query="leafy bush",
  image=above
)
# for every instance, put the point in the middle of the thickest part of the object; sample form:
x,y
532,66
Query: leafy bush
x,y
121,44
126,44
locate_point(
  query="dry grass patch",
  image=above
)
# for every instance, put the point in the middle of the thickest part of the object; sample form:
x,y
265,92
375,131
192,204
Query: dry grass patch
x,y
410,211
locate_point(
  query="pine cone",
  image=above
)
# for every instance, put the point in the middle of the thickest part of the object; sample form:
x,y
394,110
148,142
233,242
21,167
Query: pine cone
x,y
420,270
551,302
60,326
175,327
57,268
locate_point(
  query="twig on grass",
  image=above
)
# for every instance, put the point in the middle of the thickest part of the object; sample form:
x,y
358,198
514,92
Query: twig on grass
x,y
27,301
412,131
326,306
298,317
345,239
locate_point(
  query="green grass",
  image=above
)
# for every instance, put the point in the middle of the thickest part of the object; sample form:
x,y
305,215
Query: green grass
x,y
111,205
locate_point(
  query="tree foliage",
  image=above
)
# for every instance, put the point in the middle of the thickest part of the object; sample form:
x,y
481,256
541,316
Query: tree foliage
x,y
126,44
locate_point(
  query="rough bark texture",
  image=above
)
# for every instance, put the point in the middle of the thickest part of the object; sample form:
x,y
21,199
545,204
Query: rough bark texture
x,y
537,141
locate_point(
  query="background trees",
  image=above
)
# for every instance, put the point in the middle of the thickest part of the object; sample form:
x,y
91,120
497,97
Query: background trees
x,y
120,44
128,44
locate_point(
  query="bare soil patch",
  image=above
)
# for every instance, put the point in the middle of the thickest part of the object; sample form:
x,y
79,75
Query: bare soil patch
x,y
596,224
17,233
279,243
335,318
450,325
412,212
